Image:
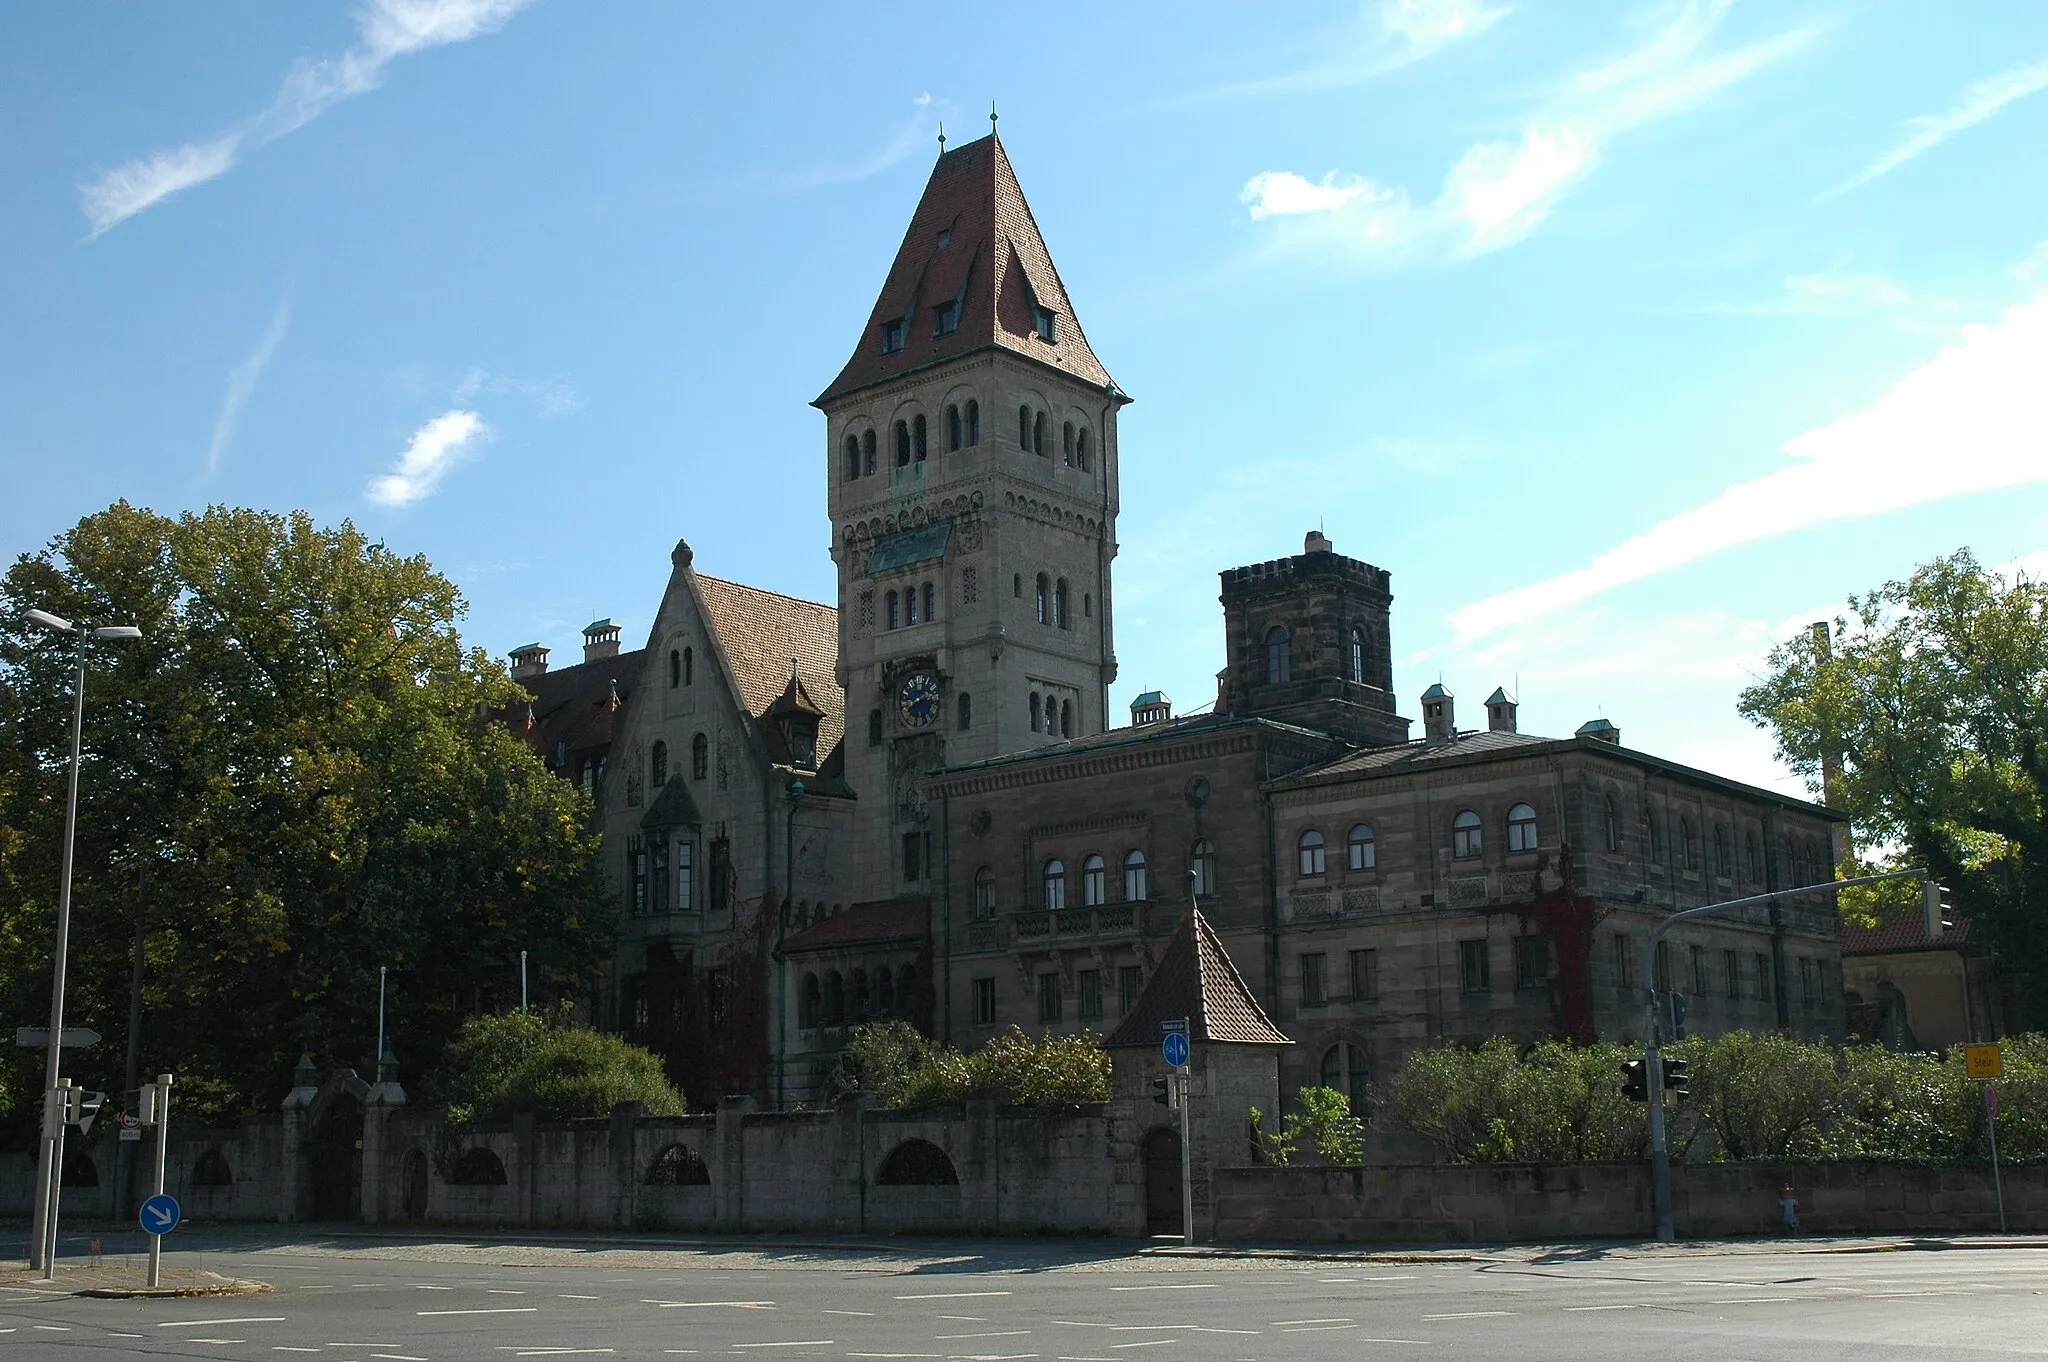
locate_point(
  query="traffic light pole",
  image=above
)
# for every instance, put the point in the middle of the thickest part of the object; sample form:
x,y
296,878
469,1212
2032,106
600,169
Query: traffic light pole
x,y
1653,1058
1187,1172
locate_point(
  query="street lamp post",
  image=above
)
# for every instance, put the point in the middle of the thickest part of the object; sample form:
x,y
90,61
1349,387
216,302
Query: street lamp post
x,y
42,1249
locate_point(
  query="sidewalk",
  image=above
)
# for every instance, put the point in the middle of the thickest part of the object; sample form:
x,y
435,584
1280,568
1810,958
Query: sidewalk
x,y
119,1275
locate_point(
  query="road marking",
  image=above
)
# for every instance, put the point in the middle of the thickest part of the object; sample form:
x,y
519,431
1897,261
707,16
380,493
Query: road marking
x,y
572,1296
705,1305
220,1340
1752,1300
1336,1319
418,1287
110,1334
493,1310
288,1348
204,1323
991,1333
1186,1286
1145,1343
1410,1342
1317,1328
398,1357
790,1343
502,1291
1212,1329
1471,1314
896,1355
966,1319
1571,1308
870,1314
955,1295
552,1352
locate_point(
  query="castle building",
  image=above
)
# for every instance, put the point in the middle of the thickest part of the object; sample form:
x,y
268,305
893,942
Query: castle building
x,y
915,803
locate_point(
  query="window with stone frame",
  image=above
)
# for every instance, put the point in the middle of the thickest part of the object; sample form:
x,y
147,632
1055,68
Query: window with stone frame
x,y
685,874
1043,600
1344,1069
913,857
1624,961
1521,829
903,444
1731,972
1279,656
1765,977
931,603
973,422
1024,428
1053,880
657,876
867,611
1130,981
1610,825
1136,885
952,426
718,879
1360,850
867,454
984,892
1202,868
1067,444
909,605
1094,882
1365,975
636,878
1066,718
1081,454
1051,1006
1041,441
1315,984
917,439
1468,836
700,757
1532,962
1309,853
657,764
970,586
852,457
1060,616
1088,983
965,706
1475,966
1357,656
1724,853
1752,859
984,1002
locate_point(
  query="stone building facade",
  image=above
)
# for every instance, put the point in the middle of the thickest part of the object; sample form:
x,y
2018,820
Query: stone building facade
x,y
914,802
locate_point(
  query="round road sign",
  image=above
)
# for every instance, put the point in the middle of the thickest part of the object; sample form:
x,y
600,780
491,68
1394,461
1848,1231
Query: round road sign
x,y
1175,1048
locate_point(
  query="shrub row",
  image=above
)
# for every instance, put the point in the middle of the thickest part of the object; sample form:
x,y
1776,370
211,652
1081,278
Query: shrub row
x,y
903,1069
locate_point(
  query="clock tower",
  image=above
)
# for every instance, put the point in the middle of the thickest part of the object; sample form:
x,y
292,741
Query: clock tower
x,y
971,456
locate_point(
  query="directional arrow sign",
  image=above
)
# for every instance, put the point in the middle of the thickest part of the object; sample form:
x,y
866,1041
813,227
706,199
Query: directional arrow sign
x,y
36,1037
161,1214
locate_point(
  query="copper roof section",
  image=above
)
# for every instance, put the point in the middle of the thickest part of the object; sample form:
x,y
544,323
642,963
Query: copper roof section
x,y
1196,979
994,265
761,631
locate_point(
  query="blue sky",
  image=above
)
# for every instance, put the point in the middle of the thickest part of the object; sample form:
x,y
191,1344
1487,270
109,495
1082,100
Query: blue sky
x,y
1627,336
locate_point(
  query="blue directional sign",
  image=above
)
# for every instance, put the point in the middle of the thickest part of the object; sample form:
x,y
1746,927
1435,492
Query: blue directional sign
x,y
161,1214
1175,1048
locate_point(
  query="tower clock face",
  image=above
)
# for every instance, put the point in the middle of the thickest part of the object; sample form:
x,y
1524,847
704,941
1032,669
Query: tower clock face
x,y
917,701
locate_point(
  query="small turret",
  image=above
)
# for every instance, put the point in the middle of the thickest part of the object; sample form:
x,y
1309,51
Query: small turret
x,y
1439,715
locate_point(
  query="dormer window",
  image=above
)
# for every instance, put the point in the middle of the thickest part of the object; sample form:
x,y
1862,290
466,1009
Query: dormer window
x,y
945,237
892,336
949,318
1046,322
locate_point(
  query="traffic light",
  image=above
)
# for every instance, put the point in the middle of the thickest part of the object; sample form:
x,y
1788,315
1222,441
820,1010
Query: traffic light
x,y
80,1107
1675,1014
1163,1092
1937,912
1674,1078
1635,1085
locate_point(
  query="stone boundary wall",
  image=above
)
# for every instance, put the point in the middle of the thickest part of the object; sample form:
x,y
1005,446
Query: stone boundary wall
x,y
1498,1203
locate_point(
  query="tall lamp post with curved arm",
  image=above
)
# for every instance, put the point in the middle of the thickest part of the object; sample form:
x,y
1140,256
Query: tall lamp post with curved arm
x,y
42,1248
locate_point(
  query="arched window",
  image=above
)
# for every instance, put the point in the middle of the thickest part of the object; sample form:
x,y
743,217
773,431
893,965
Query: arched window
x,y
1024,428
211,1170
1066,718
1059,605
1724,852
813,999
1521,828
1041,442
973,422
1467,835
867,451
1279,656
966,706
858,1000
1357,656
680,1166
1360,845
931,603
1044,598
657,774
874,728
1094,882
1688,843
1017,585
1611,825
1653,834
1309,851
689,668
906,990
917,1163
893,610
909,605
952,428
1087,606
1067,444
675,669
1344,1069
700,757
835,999
1752,862
852,457
984,892
1055,882
885,993
1034,711
1136,890
1081,449
1202,868
917,439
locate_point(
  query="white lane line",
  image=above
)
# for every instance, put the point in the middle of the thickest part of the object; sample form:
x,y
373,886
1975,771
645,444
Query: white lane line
x,y
1752,1300
898,1355
110,1334
1570,1309
1334,1319
990,1333
216,1340
1411,1342
869,1314
1212,1329
492,1310
790,1343
1471,1314
572,1296
955,1295
1145,1343
553,1352
501,1291
288,1348
707,1305
966,1319
1185,1286
417,1287
53,1328
1317,1328
398,1357
206,1323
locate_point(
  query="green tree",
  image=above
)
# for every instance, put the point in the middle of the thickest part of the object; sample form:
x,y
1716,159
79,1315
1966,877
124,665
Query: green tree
x,y
901,1068
1934,692
297,762
1324,1124
1555,1102
498,1067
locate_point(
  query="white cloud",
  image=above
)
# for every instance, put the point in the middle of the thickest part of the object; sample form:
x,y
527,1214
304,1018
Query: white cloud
x,y
549,396
1826,295
1972,419
1385,37
242,381
434,449
387,29
1979,101
1499,190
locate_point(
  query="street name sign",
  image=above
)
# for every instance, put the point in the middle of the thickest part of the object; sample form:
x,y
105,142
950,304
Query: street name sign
x,y
36,1037
1984,1061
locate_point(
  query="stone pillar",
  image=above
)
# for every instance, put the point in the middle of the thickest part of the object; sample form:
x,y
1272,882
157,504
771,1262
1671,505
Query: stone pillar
x,y
625,1158
524,1161
379,1108
729,1176
291,1172
979,1161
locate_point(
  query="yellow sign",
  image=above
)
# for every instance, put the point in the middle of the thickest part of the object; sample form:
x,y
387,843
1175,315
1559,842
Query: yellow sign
x,y
1984,1061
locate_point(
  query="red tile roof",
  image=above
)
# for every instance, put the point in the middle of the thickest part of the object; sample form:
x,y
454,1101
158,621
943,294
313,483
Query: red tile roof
x,y
762,632
1906,932
994,264
883,920
1196,979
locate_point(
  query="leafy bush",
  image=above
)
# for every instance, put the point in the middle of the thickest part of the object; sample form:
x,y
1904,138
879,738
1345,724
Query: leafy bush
x,y
1324,1124
1559,1102
902,1069
1763,1096
497,1067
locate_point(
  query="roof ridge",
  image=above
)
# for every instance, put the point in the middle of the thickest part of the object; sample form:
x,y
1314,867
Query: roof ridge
x,y
762,591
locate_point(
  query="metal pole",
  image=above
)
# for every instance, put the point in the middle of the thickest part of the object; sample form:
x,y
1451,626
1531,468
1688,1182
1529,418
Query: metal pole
x,y
1997,1181
163,1139
522,990
56,1186
378,1061
53,1119
1187,1171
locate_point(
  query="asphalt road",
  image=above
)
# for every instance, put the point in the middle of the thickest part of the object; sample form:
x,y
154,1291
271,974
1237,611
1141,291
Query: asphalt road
x,y
375,1301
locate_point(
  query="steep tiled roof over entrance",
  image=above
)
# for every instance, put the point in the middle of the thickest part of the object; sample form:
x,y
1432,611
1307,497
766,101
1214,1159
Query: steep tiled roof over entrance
x,y
1196,979
762,632
993,264
905,919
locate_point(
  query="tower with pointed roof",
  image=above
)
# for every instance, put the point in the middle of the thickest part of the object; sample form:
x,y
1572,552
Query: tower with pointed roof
x,y
971,456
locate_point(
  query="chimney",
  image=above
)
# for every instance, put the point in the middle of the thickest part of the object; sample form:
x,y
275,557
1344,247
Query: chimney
x,y
529,659
1439,715
1153,707
1316,542
600,640
1600,731
1500,711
